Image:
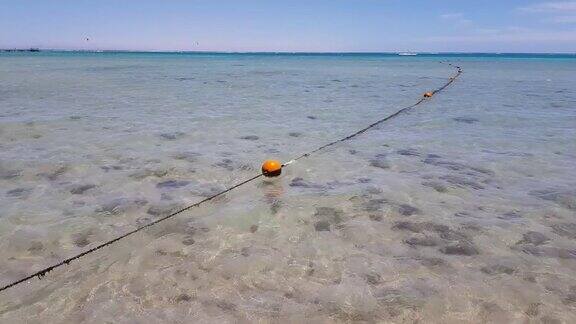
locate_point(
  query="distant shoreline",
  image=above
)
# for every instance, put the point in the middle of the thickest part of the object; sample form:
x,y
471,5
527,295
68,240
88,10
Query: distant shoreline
x,y
282,53
21,50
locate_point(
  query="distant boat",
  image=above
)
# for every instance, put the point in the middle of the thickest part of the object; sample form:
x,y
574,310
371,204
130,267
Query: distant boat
x,y
407,54
34,49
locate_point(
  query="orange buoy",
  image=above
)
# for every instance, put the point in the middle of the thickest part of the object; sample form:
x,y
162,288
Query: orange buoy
x,y
428,94
271,168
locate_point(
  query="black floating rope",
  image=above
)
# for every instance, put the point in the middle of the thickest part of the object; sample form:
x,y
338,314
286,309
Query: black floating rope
x,y
41,273
378,122
44,271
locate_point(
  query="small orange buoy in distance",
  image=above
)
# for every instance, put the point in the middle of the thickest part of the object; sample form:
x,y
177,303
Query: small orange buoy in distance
x,y
271,168
428,94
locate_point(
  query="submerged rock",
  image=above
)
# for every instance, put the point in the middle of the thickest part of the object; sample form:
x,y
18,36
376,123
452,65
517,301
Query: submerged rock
x,y
451,241
376,217
321,226
498,269
565,229
81,189
421,241
172,184
141,221
162,210
450,165
35,247
409,226
182,298
19,192
56,173
374,205
120,205
456,166
432,262
172,136
6,174
227,164
380,162
535,238
108,168
510,215
143,174
407,210
461,248
462,182
373,278
329,214
275,206
570,297
301,183
225,305
188,240
187,156
565,198
449,234
409,152
466,120
81,239
207,190
250,138
533,309
231,165
550,252
439,187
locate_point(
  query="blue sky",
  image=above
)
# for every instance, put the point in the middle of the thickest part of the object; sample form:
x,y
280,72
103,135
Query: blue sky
x,y
295,25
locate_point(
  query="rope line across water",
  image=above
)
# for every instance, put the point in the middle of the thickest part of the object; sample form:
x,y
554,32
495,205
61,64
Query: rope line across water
x,y
378,122
43,272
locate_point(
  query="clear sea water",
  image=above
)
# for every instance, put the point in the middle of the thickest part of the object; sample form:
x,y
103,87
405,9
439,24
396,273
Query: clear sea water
x,y
463,210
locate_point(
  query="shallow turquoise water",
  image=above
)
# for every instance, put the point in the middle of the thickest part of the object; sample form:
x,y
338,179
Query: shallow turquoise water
x,y
462,210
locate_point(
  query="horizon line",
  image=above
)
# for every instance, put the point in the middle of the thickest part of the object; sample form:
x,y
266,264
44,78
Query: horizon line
x,y
39,49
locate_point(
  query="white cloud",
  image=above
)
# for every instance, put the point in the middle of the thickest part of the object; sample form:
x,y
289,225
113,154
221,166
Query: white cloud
x,y
563,19
449,16
510,36
456,18
561,12
552,7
